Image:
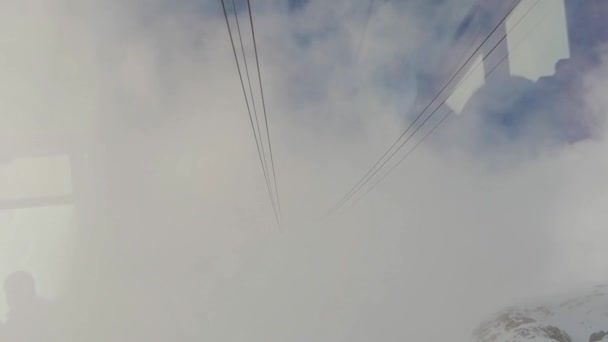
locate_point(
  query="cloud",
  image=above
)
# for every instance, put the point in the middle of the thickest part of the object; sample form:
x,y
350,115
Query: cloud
x,y
180,241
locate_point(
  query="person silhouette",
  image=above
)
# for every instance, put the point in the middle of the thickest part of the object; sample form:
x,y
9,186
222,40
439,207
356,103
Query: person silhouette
x,y
29,316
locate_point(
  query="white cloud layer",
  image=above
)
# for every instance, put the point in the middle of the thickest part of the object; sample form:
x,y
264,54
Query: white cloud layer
x,y
178,240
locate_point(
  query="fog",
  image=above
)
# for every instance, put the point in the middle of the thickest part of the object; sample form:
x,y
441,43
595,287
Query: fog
x,y
176,238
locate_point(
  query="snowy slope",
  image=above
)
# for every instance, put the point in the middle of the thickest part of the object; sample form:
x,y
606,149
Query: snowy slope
x,y
582,317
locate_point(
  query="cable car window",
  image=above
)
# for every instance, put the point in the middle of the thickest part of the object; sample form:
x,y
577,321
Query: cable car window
x,y
540,40
36,240
35,178
35,221
472,80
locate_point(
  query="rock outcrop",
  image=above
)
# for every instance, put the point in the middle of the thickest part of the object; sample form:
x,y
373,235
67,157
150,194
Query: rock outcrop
x,y
579,318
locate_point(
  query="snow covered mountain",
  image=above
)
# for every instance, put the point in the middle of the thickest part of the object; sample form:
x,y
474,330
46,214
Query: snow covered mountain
x,y
582,317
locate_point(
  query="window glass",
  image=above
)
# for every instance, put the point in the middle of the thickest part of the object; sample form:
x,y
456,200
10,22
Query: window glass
x,y
35,178
35,239
539,40
473,79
